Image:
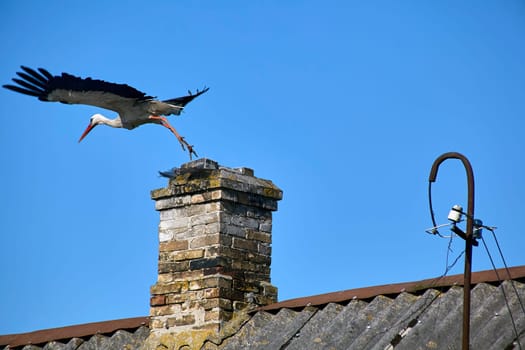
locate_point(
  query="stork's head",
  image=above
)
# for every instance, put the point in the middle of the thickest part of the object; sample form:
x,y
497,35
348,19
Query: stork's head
x,y
95,120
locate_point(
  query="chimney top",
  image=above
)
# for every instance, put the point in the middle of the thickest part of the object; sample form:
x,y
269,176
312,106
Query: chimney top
x,y
205,163
214,246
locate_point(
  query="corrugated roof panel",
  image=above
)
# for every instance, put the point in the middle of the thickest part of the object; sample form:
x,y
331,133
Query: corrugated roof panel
x,y
248,331
282,328
306,338
361,323
438,325
382,321
486,305
119,340
96,342
495,331
64,334
339,324
406,319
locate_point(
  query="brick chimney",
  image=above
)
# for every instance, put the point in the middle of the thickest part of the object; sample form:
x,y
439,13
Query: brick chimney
x,y
214,247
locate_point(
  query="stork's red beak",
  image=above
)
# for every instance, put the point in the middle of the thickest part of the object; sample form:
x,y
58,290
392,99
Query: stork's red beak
x,y
88,129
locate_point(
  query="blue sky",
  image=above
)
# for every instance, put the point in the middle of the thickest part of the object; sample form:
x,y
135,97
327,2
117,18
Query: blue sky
x,y
343,104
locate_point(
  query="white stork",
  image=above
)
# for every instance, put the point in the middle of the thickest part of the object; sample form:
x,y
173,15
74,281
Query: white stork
x,y
134,107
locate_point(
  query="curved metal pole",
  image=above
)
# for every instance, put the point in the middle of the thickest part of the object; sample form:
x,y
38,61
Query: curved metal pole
x,y
468,239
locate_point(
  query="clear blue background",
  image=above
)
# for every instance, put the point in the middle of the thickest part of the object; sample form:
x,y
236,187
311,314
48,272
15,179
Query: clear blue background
x,y
343,104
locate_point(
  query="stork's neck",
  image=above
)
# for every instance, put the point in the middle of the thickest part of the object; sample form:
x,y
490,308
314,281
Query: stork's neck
x,y
100,119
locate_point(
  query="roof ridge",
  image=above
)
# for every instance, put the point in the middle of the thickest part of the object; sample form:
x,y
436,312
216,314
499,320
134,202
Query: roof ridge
x,y
110,327
486,276
75,331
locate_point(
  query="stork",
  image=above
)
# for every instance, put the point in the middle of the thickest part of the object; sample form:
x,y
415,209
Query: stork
x,y
134,107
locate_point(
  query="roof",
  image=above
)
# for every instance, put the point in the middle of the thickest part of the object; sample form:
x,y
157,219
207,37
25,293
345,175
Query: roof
x,y
125,331
422,314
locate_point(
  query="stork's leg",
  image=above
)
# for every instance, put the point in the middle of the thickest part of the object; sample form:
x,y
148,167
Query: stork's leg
x,y
164,122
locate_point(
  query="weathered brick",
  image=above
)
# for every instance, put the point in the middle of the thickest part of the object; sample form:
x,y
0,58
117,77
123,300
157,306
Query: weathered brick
x,y
183,320
178,298
197,230
169,234
162,310
214,227
173,245
259,236
233,230
208,262
210,282
226,252
157,300
266,226
173,214
186,275
258,277
187,254
172,202
208,304
197,198
219,315
210,293
174,223
245,286
165,236
166,267
245,222
204,241
266,300
246,244
157,323
259,259
216,194
165,278
198,209
173,287
264,249
203,219
244,265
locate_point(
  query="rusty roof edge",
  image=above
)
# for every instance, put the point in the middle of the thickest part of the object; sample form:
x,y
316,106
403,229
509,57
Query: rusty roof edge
x,y
69,332
108,327
397,288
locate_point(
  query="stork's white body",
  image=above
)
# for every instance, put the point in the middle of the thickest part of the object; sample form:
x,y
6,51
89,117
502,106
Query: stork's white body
x,y
131,113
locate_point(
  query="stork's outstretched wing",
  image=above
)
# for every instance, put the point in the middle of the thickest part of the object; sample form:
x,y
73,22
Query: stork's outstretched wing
x,y
67,88
184,100
132,105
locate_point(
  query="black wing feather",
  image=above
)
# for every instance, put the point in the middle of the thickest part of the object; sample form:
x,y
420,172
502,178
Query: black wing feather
x,y
42,83
27,85
45,73
35,74
70,82
30,79
23,91
184,100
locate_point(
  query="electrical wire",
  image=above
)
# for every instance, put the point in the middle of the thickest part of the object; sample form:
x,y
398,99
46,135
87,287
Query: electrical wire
x,y
506,268
503,292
